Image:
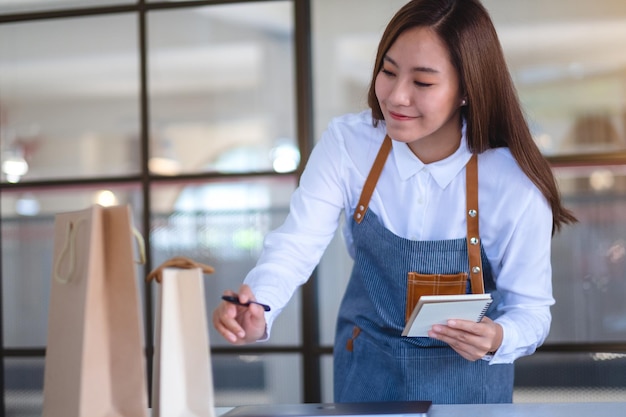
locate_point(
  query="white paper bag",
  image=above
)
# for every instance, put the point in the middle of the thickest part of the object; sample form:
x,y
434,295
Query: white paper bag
x,y
182,382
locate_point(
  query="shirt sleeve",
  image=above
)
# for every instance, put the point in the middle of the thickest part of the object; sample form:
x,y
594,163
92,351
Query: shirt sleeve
x,y
524,281
292,251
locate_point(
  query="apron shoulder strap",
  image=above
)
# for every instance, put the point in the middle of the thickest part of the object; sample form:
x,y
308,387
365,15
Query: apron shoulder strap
x,y
473,237
372,179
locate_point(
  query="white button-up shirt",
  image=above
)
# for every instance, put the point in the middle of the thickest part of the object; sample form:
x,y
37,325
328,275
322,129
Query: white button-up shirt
x,y
418,201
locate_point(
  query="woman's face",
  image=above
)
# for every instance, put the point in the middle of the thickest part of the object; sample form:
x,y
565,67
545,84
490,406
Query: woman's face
x,y
418,92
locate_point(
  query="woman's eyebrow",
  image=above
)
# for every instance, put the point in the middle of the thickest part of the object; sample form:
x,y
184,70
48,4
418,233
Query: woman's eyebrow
x,y
428,70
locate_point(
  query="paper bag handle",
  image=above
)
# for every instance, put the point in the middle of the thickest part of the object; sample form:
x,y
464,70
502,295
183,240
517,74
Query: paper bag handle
x,y
69,249
141,246
180,262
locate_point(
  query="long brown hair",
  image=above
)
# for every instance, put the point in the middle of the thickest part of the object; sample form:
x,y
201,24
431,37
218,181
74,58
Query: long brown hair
x,y
493,114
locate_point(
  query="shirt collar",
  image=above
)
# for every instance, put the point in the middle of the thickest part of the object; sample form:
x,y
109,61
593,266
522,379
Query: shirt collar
x,y
443,172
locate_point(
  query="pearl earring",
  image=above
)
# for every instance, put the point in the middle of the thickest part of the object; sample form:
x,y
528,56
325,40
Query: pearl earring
x,y
463,102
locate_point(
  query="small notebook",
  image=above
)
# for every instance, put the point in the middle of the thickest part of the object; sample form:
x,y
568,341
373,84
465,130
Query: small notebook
x,y
364,409
438,309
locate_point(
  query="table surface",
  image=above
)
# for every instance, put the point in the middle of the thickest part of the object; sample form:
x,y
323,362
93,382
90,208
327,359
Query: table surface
x,y
600,409
587,409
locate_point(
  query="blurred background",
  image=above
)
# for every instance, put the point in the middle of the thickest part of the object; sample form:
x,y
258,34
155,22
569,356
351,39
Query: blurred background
x,y
200,115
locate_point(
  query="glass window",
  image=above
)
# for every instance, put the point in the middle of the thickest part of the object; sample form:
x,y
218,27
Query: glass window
x,y
570,377
23,386
568,63
589,258
344,49
20,6
69,98
326,365
238,380
257,379
222,89
27,236
223,224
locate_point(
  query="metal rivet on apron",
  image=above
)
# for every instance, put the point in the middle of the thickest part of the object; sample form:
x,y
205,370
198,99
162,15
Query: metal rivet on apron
x,y
473,213
361,208
358,215
474,241
476,269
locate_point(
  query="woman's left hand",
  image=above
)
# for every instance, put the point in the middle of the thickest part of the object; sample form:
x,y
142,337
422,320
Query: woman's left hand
x,y
470,340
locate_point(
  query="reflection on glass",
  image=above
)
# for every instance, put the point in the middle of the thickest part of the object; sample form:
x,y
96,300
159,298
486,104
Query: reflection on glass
x,y
223,224
222,89
27,252
589,258
68,109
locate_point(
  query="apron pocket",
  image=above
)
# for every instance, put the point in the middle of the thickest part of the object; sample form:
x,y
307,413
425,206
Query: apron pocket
x,y
370,372
432,284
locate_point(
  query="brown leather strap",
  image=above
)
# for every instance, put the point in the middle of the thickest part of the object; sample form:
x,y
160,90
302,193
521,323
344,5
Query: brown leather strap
x,y
473,237
372,179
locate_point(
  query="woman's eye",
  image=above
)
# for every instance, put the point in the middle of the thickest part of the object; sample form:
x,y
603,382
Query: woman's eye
x,y
420,84
387,72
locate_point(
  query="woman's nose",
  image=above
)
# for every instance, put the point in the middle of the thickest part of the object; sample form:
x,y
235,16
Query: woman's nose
x,y
400,93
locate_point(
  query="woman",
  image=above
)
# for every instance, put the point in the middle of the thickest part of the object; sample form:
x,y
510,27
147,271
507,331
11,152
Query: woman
x,y
444,129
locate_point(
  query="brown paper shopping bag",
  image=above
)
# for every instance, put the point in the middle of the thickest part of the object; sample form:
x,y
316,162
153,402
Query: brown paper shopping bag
x,y
95,364
182,383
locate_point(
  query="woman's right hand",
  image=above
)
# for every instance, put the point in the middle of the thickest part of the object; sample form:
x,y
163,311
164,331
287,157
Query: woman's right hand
x,y
238,324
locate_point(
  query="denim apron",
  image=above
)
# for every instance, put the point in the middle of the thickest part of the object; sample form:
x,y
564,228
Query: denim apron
x,y
372,361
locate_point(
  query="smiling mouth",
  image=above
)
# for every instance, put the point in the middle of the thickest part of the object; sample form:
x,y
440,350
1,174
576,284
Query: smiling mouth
x,y
398,116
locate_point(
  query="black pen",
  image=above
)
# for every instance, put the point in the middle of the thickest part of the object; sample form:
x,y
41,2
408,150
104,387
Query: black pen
x,y
235,300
